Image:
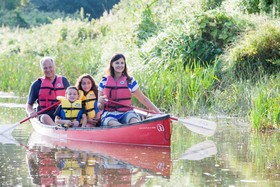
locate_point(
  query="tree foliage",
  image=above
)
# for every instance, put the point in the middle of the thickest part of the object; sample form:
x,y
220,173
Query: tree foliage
x,y
29,13
92,8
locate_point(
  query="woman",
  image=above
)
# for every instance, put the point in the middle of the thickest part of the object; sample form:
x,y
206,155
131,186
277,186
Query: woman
x,y
118,86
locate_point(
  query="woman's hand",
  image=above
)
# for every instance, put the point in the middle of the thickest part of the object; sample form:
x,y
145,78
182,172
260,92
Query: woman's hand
x,y
101,101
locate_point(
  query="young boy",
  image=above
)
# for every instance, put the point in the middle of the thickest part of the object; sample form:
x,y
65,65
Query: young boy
x,y
71,113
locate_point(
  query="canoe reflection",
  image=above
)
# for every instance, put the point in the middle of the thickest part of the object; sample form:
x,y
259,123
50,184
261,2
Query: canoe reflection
x,y
74,163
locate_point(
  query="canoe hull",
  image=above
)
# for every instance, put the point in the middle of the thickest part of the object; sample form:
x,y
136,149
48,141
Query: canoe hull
x,y
155,131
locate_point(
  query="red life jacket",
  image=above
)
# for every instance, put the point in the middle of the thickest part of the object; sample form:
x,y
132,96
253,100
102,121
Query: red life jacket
x,y
48,91
117,91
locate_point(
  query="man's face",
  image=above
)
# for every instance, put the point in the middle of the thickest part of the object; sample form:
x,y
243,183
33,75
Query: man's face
x,y
48,69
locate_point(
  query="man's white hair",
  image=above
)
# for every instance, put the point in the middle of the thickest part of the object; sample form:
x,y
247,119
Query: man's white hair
x,y
45,59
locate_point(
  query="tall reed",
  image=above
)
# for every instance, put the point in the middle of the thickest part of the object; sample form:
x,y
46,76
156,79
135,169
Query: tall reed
x,y
264,113
183,90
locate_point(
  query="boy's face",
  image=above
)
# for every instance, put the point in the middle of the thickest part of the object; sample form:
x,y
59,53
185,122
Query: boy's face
x,y
72,95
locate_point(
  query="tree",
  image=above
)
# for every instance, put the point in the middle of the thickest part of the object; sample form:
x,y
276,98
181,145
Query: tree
x,y
92,8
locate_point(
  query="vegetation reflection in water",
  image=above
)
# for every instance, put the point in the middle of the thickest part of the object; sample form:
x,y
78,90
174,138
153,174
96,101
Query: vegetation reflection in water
x,y
243,158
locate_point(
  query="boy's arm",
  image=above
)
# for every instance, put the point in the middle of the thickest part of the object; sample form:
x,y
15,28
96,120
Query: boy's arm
x,y
60,121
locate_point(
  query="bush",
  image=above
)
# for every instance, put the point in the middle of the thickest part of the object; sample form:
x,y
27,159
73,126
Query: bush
x,y
202,40
257,53
147,26
211,4
271,7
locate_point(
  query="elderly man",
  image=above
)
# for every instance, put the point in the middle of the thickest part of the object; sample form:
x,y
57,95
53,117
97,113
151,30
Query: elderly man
x,y
45,90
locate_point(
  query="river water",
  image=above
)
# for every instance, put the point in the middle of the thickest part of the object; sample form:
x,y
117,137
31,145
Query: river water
x,y
234,156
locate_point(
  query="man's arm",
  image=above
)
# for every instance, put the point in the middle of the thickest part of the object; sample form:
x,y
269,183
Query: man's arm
x,y
32,97
30,111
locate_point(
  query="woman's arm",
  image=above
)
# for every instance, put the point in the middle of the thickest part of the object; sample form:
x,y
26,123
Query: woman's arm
x,y
145,100
101,100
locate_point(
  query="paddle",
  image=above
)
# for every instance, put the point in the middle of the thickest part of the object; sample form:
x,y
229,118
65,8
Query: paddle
x,y
198,125
9,128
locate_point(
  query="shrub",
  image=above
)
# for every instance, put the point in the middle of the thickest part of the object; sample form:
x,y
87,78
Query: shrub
x,y
211,4
271,7
203,39
257,53
147,26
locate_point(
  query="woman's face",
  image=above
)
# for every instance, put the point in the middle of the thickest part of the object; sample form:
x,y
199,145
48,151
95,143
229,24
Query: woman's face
x,y
86,84
119,65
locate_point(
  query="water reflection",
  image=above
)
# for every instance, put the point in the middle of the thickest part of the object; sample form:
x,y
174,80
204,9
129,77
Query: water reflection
x,y
7,139
72,163
200,151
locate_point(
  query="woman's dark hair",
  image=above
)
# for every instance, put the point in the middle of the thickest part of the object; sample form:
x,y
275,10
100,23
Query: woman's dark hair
x,y
93,87
110,69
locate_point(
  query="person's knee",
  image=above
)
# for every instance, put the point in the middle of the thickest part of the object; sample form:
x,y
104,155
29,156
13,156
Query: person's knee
x,y
133,120
46,119
113,123
130,117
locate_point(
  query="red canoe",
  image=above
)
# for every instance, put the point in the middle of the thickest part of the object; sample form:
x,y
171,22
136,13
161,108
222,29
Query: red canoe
x,y
153,131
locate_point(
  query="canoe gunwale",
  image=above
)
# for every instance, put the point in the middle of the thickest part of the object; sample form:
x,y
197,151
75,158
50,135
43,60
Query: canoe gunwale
x,y
148,120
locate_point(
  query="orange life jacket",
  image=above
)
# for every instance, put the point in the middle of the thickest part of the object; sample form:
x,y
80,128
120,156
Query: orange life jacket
x,y
117,91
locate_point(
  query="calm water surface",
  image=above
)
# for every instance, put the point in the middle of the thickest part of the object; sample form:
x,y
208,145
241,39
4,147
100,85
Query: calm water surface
x,y
232,157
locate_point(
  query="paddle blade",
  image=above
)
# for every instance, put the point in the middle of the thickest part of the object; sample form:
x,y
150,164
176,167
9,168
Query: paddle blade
x,y
200,126
200,151
8,139
7,129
